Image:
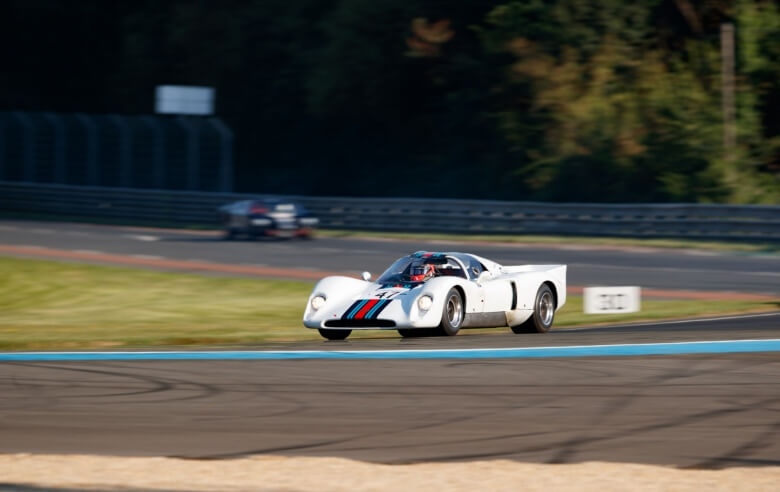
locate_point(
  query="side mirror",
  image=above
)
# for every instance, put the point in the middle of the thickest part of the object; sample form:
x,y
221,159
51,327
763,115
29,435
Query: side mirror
x,y
365,276
483,276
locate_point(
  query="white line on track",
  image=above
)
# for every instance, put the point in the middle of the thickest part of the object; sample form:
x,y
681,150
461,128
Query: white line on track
x,y
573,247
681,321
394,351
142,237
765,257
675,270
327,250
700,252
149,257
668,348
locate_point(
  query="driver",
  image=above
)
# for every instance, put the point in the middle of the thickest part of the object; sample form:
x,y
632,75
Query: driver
x,y
421,273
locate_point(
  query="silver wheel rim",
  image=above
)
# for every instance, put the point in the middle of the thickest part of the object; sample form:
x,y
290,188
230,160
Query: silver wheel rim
x,y
546,308
454,311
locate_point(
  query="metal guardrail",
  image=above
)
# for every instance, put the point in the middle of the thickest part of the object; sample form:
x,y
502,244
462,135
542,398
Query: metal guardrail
x,y
738,222
134,151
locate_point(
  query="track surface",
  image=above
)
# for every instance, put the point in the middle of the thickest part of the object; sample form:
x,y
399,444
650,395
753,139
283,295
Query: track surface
x,y
694,411
647,267
698,411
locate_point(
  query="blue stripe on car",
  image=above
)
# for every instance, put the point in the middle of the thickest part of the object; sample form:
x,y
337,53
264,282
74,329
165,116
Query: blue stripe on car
x,y
356,309
349,309
376,309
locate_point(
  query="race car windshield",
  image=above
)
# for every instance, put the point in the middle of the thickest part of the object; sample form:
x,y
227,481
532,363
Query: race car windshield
x,y
405,269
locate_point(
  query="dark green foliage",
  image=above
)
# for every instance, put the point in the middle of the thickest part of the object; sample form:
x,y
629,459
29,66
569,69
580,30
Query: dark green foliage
x,y
566,100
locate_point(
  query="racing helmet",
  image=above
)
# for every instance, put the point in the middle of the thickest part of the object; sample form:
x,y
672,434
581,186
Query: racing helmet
x,y
420,273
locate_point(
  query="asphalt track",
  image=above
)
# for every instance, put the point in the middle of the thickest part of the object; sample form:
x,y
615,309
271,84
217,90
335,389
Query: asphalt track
x,y
703,411
650,268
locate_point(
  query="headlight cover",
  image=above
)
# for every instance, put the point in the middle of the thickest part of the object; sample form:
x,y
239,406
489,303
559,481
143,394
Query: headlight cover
x,y
317,302
424,302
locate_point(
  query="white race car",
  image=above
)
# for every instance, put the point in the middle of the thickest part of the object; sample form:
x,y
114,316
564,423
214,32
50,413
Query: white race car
x,y
426,294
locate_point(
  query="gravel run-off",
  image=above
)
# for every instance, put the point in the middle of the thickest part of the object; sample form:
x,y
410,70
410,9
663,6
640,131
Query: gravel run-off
x,y
275,473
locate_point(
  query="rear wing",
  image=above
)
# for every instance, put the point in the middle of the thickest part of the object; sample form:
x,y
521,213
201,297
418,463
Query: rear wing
x,y
553,269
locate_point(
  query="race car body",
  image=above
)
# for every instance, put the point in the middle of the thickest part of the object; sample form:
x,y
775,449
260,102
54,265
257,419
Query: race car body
x,y
266,217
429,293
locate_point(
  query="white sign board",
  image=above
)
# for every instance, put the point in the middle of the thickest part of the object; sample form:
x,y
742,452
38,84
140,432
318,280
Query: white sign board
x,y
184,99
606,300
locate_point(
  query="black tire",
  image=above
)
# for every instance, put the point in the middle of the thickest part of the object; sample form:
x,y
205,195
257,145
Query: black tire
x,y
544,313
452,314
334,334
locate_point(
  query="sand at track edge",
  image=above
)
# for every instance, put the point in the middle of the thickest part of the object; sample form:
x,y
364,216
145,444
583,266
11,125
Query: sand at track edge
x,y
272,473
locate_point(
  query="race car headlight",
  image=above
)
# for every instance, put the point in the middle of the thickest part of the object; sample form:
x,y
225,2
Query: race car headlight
x,y
317,302
424,303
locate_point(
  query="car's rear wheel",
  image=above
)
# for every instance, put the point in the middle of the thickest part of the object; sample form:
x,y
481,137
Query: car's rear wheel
x,y
452,314
544,313
334,334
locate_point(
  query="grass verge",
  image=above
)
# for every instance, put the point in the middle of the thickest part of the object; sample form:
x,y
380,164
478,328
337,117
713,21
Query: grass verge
x,y
52,305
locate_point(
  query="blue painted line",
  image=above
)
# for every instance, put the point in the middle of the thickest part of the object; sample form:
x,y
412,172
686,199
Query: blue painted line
x,y
716,347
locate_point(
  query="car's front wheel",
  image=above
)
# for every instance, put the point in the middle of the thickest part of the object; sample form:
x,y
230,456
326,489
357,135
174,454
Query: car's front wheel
x,y
544,312
334,334
452,314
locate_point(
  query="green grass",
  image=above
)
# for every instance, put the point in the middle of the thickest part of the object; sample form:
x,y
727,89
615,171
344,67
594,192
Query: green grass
x,y
52,305
571,314
47,304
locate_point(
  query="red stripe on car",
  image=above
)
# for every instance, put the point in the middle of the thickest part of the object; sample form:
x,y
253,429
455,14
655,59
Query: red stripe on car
x,y
366,308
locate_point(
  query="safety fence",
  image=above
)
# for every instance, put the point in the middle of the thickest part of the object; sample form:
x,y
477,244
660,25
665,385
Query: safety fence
x,y
702,221
131,151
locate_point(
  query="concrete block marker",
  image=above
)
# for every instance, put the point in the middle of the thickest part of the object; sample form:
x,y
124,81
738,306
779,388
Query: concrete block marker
x,y
611,300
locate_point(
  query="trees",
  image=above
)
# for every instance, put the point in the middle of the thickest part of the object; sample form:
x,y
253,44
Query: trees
x,y
756,176
587,100
619,119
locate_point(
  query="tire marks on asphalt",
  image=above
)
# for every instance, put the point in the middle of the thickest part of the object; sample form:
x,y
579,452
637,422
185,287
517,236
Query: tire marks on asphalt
x,y
693,411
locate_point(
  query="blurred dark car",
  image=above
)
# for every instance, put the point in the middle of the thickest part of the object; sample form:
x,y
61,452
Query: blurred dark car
x,y
266,217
